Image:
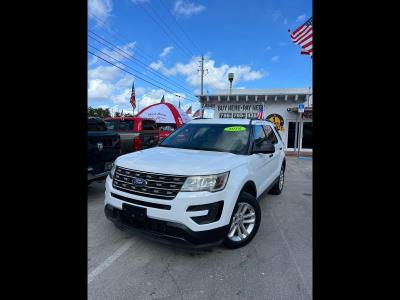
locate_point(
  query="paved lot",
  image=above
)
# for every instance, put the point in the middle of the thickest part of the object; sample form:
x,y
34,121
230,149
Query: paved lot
x,y
277,264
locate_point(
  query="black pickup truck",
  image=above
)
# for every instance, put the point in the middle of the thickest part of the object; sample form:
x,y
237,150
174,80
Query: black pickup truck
x,y
104,146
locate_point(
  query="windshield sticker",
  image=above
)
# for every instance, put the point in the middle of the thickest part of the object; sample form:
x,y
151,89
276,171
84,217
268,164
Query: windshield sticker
x,y
235,128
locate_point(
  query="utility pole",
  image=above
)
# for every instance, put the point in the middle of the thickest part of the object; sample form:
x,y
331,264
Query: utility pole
x,y
202,73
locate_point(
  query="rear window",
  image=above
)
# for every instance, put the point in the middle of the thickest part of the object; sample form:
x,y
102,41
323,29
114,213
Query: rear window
x,y
95,125
149,125
120,125
125,125
112,124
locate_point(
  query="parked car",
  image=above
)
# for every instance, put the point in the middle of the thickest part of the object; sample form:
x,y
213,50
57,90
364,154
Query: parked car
x,y
166,129
136,133
104,146
200,186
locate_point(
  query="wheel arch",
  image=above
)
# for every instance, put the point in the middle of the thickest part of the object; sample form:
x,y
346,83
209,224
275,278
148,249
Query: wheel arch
x,y
249,187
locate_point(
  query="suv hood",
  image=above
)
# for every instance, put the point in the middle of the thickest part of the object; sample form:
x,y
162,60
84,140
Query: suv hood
x,y
180,161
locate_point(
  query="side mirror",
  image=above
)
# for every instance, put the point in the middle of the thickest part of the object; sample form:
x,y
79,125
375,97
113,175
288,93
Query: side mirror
x,y
265,148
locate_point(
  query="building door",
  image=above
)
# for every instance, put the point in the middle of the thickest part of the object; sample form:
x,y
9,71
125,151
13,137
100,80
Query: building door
x,y
307,135
291,142
306,138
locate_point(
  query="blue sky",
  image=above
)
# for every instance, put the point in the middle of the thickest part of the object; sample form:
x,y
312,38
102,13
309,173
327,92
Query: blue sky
x,y
248,38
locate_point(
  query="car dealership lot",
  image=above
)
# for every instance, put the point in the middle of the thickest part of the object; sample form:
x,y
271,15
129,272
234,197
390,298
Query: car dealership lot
x,y
277,264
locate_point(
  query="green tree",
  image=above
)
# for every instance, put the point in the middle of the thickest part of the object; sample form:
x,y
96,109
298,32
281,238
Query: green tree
x,y
98,112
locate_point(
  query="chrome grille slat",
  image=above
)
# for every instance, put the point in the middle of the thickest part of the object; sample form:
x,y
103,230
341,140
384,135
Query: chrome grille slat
x,y
160,186
153,187
173,182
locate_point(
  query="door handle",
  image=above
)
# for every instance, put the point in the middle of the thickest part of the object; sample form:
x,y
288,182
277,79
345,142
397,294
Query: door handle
x,y
271,155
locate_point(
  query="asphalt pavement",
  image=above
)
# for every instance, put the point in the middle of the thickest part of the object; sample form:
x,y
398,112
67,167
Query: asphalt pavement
x,y
276,264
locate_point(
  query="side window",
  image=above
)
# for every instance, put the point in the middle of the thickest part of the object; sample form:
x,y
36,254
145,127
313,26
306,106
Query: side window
x,y
149,125
126,125
270,134
258,134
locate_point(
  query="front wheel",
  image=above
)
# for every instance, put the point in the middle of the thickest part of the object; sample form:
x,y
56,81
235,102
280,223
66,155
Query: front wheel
x,y
245,221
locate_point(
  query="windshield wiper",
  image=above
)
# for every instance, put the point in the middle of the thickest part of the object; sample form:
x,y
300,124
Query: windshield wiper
x,y
205,149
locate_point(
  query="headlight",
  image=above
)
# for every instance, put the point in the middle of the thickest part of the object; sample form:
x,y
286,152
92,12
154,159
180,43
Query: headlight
x,y
211,183
113,170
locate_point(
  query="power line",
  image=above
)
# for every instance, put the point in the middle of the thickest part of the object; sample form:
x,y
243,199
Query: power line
x,y
176,85
166,26
127,66
179,96
166,33
124,39
131,58
180,27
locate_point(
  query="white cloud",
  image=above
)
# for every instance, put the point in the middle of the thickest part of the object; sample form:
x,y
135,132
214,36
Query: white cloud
x,y
276,15
187,9
123,97
268,48
166,51
124,52
139,1
275,58
107,73
125,81
301,18
217,76
99,90
101,10
154,96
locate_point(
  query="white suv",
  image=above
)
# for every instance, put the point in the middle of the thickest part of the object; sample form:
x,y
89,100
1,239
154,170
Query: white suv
x,y
200,186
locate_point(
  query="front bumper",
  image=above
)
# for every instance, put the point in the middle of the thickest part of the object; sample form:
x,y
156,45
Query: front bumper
x,y
184,214
171,233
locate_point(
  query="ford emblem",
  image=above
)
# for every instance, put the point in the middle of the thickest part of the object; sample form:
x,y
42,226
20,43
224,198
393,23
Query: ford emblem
x,y
138,181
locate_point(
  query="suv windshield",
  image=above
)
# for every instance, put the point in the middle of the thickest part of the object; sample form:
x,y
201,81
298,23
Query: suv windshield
x,y
231,138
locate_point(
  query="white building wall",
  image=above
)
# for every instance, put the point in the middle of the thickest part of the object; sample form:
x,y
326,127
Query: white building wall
x,y
270,107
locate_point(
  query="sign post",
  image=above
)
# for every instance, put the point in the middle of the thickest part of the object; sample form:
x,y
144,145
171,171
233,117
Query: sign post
x,y
300,134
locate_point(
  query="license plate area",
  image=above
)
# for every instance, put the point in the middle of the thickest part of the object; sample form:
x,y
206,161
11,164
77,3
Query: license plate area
x,y
134,214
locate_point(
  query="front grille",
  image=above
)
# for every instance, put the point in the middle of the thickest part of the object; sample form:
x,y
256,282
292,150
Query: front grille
x,y
159,186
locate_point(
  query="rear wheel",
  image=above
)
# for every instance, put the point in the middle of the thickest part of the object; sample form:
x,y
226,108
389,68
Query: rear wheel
x,y
245,221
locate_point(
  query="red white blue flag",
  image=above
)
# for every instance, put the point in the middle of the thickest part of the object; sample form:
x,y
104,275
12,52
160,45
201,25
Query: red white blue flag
x,y
260,114
303,36
133,96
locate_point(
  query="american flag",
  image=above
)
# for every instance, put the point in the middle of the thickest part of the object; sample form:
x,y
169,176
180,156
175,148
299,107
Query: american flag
x,y
303,36
133,97
198,113
260,114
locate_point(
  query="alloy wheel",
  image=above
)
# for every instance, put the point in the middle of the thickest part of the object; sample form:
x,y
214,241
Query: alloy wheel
x,y
243,222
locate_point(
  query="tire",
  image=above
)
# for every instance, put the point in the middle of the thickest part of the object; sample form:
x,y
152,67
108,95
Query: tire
x,y
278,186
119,226
251,208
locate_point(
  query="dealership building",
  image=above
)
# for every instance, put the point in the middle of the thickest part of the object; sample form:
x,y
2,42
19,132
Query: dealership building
x,y
280,106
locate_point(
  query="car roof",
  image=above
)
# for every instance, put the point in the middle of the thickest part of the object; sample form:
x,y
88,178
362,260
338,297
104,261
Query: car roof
x,y
228,121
